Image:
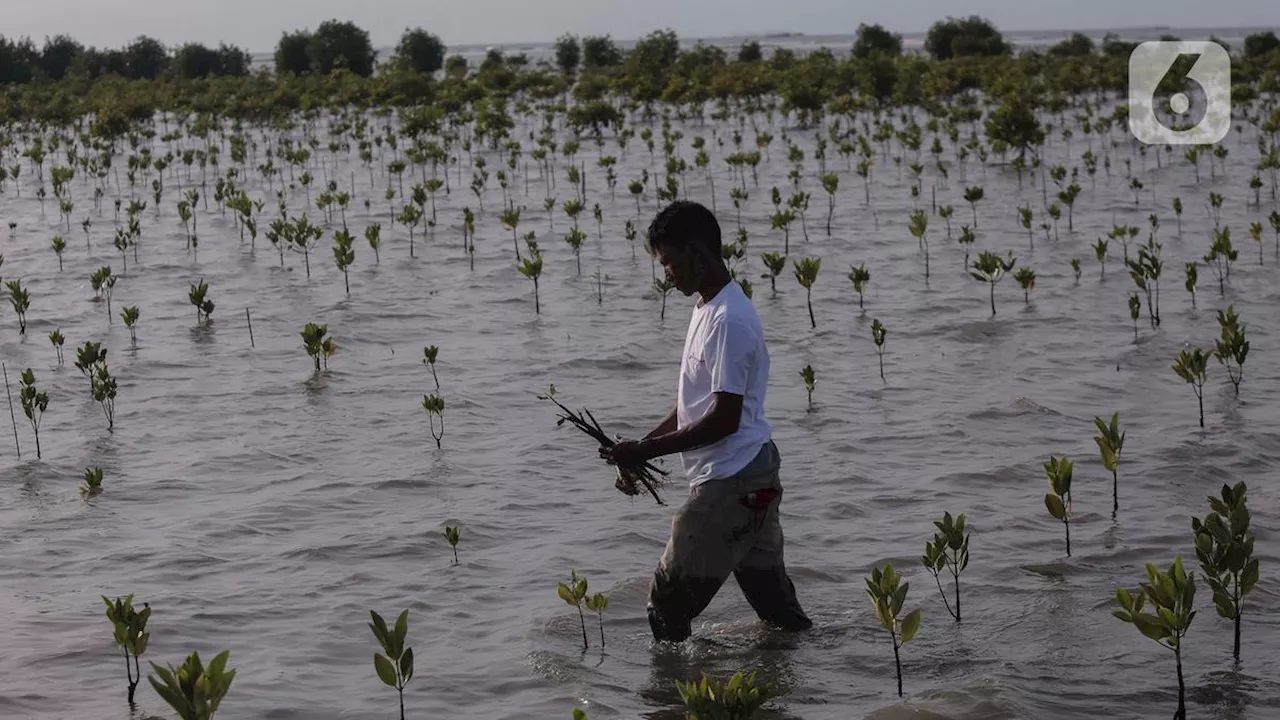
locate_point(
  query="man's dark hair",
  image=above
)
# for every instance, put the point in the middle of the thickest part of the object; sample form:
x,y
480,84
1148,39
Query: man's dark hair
x,y
684,224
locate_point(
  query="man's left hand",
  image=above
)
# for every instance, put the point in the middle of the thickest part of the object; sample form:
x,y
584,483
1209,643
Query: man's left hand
x,y
626,453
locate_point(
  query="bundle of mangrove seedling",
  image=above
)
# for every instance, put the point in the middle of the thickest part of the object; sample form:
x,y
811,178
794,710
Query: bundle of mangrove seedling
x,y
630,478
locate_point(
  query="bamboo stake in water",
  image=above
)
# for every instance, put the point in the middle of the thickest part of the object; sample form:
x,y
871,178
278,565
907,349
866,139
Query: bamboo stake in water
x,y
12,418
250,321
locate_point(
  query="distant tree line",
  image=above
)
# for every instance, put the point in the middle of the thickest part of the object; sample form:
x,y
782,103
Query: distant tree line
x,y
336,45
146,58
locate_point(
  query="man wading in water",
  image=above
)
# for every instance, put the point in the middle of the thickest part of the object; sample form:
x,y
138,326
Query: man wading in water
x,y
730,522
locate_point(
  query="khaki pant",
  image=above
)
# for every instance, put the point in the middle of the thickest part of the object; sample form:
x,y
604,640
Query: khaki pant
x,y
727,526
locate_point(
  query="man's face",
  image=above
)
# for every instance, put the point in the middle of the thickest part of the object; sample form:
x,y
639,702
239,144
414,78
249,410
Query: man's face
x,y
681,267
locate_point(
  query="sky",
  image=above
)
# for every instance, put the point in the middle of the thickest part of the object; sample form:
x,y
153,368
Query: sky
x,y
257,24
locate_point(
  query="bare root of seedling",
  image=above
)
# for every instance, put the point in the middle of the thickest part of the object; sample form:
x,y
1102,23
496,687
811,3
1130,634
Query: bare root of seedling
x,y
630,478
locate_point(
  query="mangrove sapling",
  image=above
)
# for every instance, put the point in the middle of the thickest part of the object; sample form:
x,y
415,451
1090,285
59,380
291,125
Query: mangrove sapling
x,y
1255,232
394,669
344,255
859,275
919,226
1224,546
1232,348
1110,440
1100,253
738,699
1026,278
92,482
1192,278
511,220
877,337
1220,256
56,338
130,316
809,382
598,604
129,626
373,233
598,214
806,271
798,203
1135,312
409,216
1177,212
531,267
20,298
887,593
966,240
973,195
88,356
196,295
775,263
1075,269
191,689
305,235
429,355
103,387
781,220
1274,219
1171,596
58,245
663,287
1058,500
1193,366
434,406
575,593
949,549
34,403
318,344
991,269
830,183
451,536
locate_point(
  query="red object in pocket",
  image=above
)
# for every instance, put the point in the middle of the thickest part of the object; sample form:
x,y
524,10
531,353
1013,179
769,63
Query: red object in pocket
x,y
758,503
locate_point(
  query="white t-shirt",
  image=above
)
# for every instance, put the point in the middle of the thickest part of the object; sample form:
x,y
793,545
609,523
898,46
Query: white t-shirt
x,y
724,351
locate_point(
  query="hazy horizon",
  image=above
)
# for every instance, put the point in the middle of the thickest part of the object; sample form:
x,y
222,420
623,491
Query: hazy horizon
x,y
500,22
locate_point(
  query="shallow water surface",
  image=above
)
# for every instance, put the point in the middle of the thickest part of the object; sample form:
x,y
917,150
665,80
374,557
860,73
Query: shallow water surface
x,y
263,508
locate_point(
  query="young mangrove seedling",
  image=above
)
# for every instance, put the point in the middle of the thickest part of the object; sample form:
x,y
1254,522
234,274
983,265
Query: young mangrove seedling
x,y
20,298
34,403
1024,219
1145,272
92,482
859,275
129,628
1135,312
103,387
451,536
1100,252
344,255
1220,256
511,220
887,593
966,238
191,689
429,355
597,604
57,339
1075,269
830,183
196,295
991,269
88,356
1058,501
949,549
1255,232
877,337
776,263
130,316
373,233
575,593
434,406
1224,546
1026,278
663,287
59,245
1193,366
919,226
1192,278
738,699
806,270
319,345
396,667
973,195
1232,347
531,267
1110,440
1171,595
809,380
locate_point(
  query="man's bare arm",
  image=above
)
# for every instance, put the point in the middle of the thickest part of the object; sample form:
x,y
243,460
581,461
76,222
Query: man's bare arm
x,y
668,425
719,423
